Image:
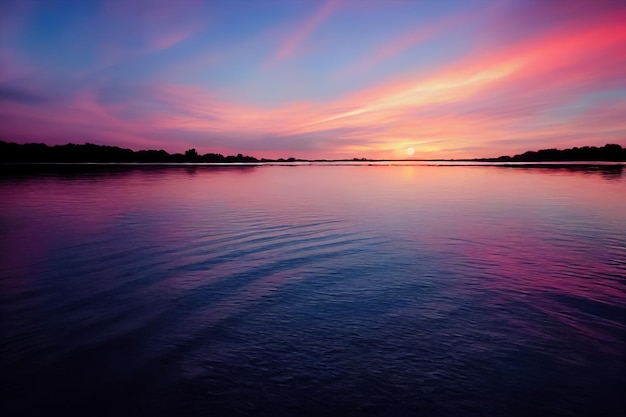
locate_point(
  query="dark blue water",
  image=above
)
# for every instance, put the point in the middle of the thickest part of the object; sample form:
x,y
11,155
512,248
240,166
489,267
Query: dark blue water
x,y
314,290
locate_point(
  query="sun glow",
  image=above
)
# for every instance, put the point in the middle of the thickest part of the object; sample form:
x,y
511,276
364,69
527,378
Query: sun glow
x,y
409,151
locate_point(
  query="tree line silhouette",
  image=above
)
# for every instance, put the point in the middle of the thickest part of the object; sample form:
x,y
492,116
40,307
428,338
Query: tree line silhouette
x,y
39,152
71,153
608,152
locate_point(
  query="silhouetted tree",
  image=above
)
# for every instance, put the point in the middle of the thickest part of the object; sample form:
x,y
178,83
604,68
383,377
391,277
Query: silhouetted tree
x,y
191,155
212,157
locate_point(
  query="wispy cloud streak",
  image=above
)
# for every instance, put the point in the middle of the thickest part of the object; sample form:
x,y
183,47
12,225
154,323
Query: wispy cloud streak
x,y
293,41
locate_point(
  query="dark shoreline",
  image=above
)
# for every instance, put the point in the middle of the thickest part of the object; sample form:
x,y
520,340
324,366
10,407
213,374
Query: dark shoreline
x,y
90,153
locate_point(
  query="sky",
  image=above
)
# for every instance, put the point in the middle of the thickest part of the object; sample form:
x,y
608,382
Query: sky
x,y
315,78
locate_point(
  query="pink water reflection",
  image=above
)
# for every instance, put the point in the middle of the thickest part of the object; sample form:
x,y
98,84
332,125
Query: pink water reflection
x,y
494,216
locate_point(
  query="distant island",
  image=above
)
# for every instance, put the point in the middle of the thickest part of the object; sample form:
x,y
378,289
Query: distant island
x,y
71,153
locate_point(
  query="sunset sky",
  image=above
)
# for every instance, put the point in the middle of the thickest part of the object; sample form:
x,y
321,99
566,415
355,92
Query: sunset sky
x,y
315,79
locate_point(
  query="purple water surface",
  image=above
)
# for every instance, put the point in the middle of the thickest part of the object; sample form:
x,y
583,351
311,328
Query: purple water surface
x,y
314,290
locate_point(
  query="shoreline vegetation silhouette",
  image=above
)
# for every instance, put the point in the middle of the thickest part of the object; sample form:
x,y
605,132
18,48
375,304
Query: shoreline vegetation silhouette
x,y
11,152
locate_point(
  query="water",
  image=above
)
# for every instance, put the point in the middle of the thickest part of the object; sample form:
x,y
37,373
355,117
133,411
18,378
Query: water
x,y
314,290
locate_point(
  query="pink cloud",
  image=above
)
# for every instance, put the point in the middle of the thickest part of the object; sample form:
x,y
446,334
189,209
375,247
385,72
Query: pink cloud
x,y
14,17
413,38
162,41
293,41
81,119
144,27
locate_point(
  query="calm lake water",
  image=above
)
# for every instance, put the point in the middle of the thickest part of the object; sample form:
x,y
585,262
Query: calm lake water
x,y
314,290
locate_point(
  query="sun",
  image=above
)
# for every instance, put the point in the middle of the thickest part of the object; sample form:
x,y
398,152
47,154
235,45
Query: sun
x,y
409,151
